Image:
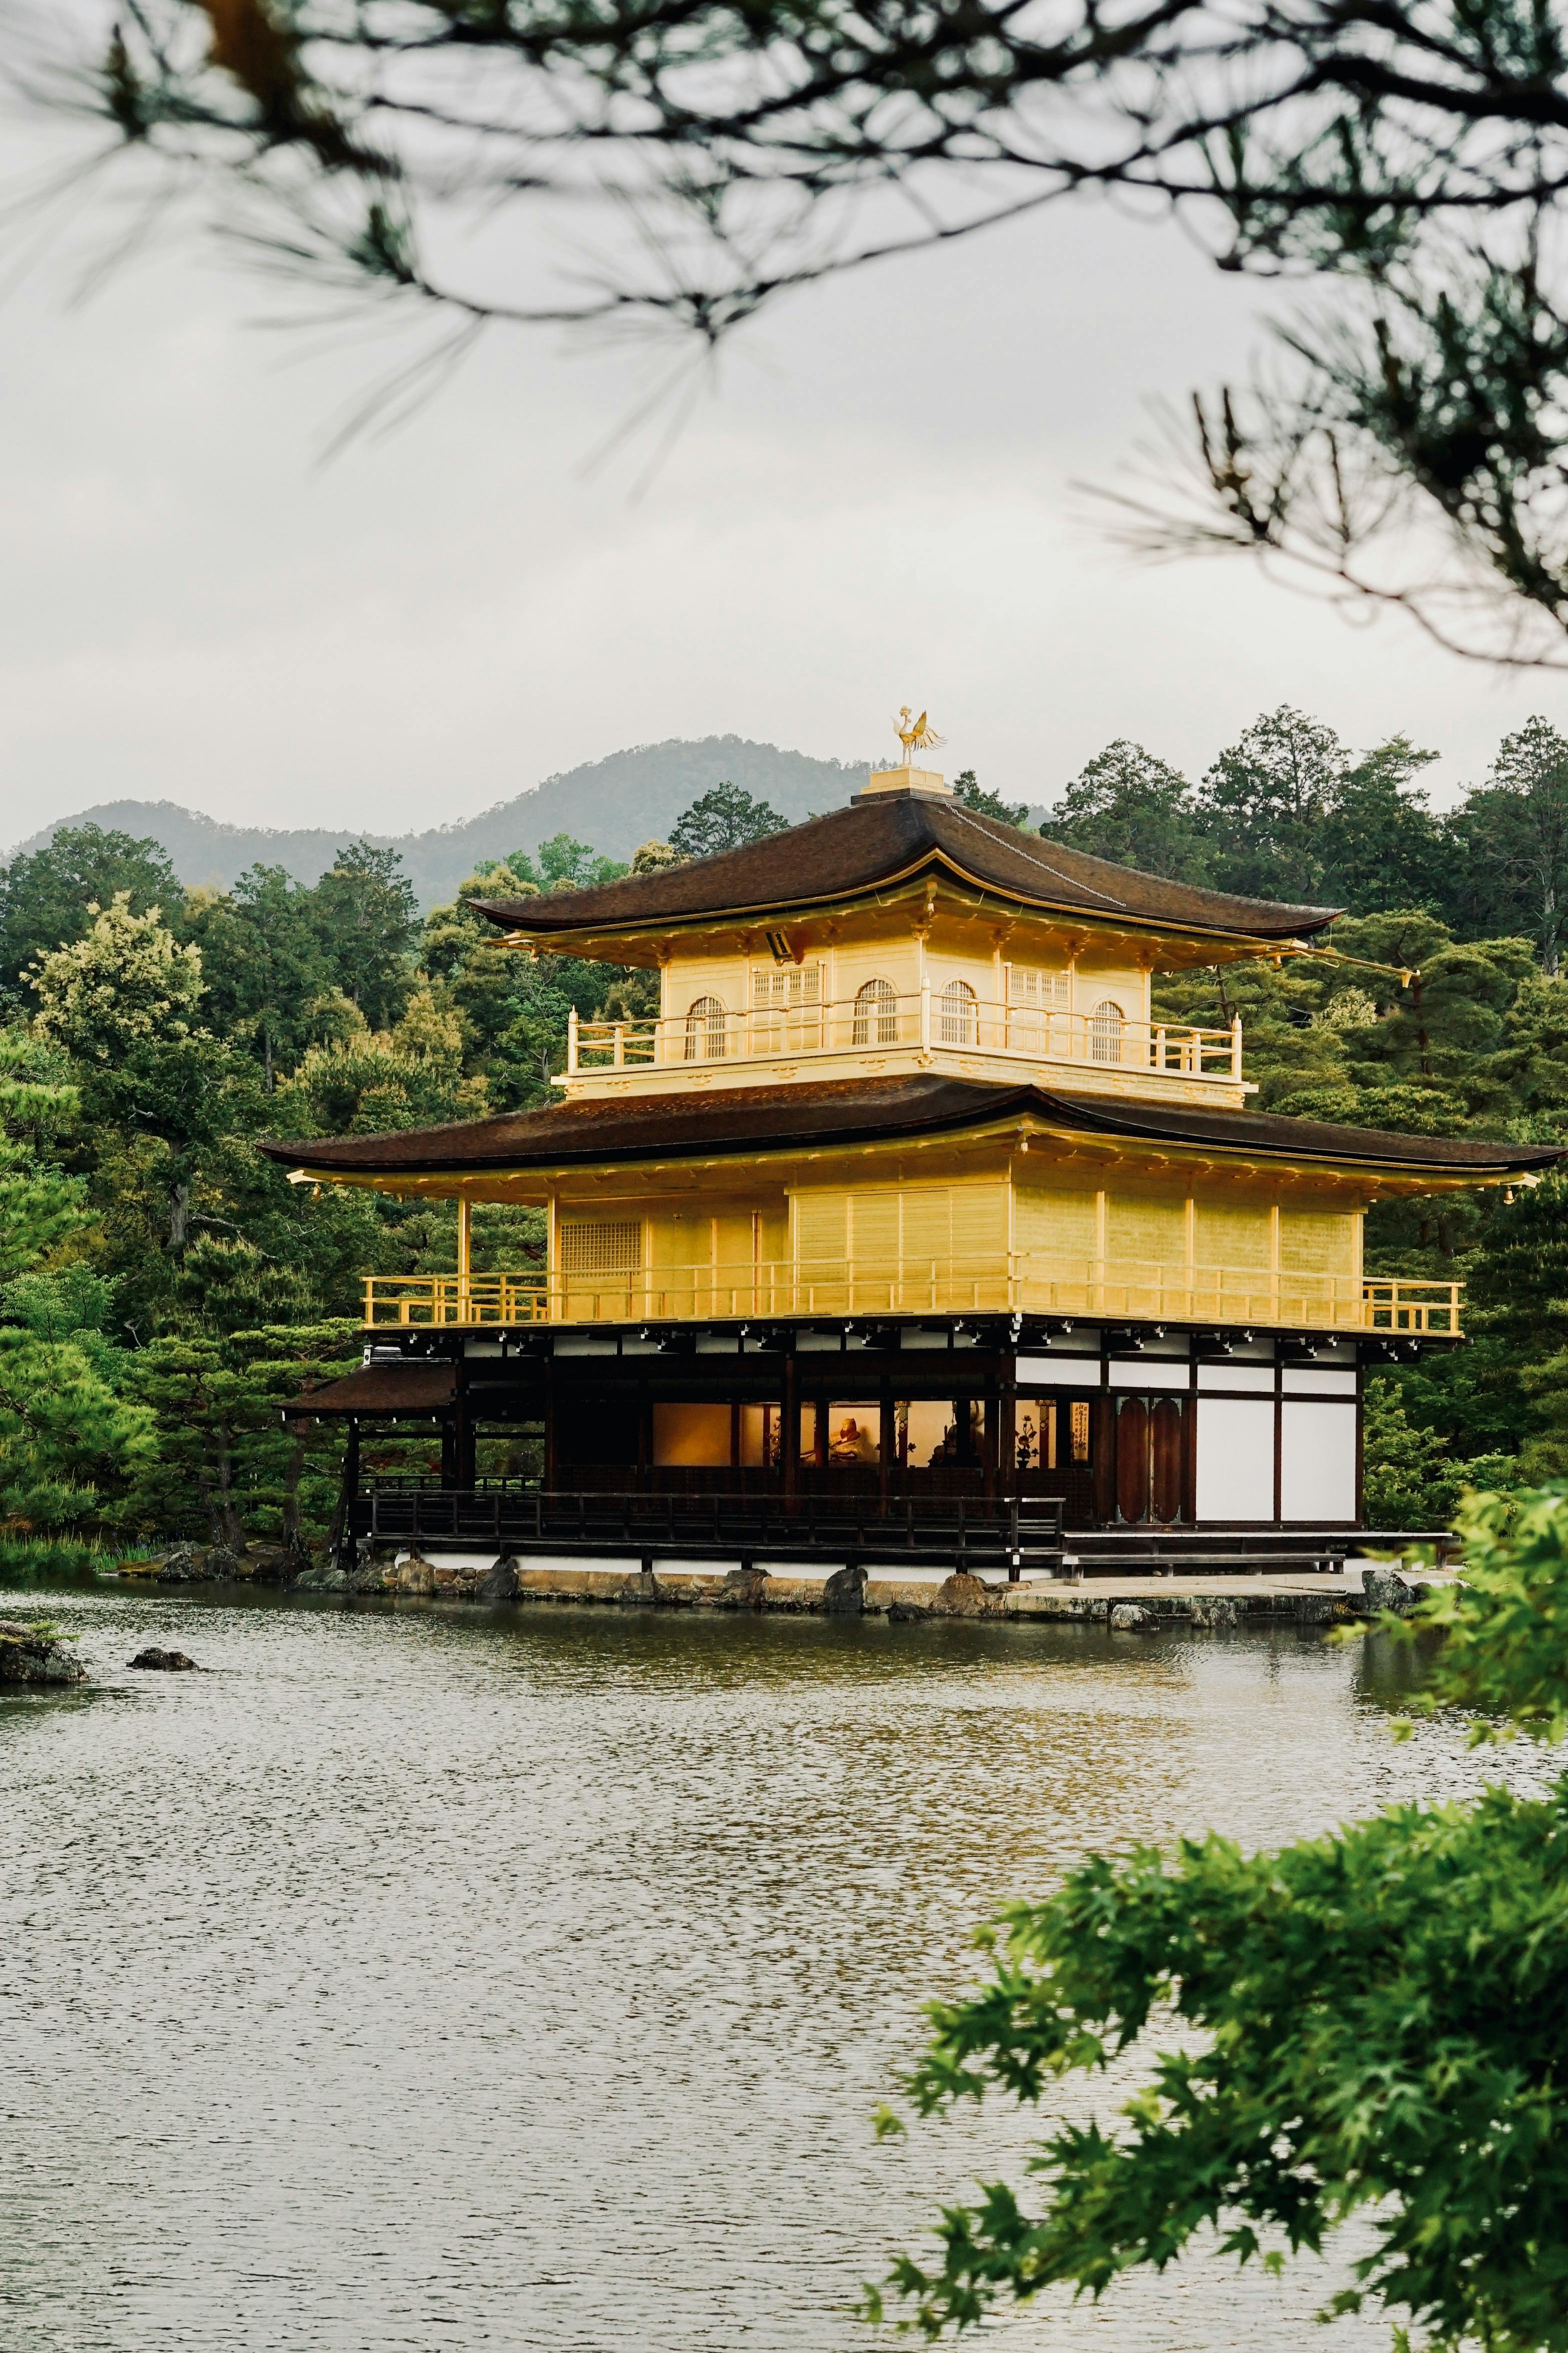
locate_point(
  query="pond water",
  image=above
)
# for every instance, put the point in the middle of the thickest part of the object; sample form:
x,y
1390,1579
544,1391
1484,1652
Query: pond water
x,y
422,1976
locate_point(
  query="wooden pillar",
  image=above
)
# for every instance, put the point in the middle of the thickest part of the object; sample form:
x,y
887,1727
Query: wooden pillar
x,y
645,1434
464,1446
550,1431
462,1429
819,1433
348,1496
1008,1435
887,1440
1103,1449
990,1443
789,1446
735,1433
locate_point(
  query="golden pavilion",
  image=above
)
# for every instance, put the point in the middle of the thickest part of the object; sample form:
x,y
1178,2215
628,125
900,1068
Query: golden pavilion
x,y
905,1196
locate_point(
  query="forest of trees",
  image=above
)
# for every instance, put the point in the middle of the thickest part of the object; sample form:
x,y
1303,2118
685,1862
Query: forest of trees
x,y
163,1286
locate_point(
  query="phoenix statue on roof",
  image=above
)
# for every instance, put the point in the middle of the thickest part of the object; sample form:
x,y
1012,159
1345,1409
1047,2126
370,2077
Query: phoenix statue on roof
x,y
916,736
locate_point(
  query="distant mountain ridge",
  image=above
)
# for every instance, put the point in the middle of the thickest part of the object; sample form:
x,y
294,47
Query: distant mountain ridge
x,y
631,796
628,797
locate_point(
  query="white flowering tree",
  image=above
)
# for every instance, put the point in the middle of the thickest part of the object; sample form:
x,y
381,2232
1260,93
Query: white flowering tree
x,y
123,1001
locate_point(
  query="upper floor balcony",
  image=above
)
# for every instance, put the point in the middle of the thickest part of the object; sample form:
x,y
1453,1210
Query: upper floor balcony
x,y
1014,1282
941,1026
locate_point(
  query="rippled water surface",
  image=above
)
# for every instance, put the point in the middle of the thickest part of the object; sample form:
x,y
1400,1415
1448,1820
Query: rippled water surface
x,y
429,1976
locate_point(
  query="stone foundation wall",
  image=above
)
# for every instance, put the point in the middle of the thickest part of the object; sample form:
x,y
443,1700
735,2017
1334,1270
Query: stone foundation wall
x,y
843,1592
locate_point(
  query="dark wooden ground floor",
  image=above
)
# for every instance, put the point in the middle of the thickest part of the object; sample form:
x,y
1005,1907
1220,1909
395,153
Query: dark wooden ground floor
x,y
1111,1429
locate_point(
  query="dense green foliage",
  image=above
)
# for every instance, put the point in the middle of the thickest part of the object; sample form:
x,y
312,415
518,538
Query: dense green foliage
x,y
968,788
1287,812
65,1423
1369,2023
163,1290
722,819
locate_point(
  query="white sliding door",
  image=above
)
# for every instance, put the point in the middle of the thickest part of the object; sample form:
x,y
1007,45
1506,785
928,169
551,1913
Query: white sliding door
x,y
1235,1459
1317,1460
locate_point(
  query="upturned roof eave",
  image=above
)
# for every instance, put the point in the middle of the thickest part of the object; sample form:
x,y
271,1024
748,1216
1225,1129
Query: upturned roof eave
x,y
513,915
1025,1110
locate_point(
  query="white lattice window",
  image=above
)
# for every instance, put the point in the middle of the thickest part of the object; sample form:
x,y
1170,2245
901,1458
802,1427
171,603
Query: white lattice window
x,y
1106,1024
1034,990
788,984
597,1246
786,1008
958,1015
875,1014
706,1029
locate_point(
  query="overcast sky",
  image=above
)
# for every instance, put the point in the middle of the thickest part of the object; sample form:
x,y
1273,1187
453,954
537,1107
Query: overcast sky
x,y
869,504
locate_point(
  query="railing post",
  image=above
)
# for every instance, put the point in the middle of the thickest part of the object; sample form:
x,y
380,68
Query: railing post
x,y
925,1017
620,1044
1159,1048
571,1041
1236,1046
465,1255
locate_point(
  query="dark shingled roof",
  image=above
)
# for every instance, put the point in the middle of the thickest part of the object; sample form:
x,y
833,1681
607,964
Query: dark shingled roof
x,y
855,1111
382,1388
853,851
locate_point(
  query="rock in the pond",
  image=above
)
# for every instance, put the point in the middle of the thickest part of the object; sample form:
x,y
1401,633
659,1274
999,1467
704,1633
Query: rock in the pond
x,y
321,1577
1381,1589
963,1596
743,1589
498,1584
35,1654
906,1613
182,1564
265,1564
366,1573
168,1662
415,1576
844,1593
1212,1609
1131,1618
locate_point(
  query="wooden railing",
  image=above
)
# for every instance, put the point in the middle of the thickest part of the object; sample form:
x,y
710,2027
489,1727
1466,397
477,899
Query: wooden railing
x,y
1009,1534
1395,1305
456,1299
1019,1281
928,1020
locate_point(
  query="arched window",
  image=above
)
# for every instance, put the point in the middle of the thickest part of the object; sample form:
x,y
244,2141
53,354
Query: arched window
x,y
705,1030
1105,1031
958,1016
875,1014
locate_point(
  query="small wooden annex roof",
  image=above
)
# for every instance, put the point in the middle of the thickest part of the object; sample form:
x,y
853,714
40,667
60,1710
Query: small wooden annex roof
x,y
853,852
802,1114
381,1389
